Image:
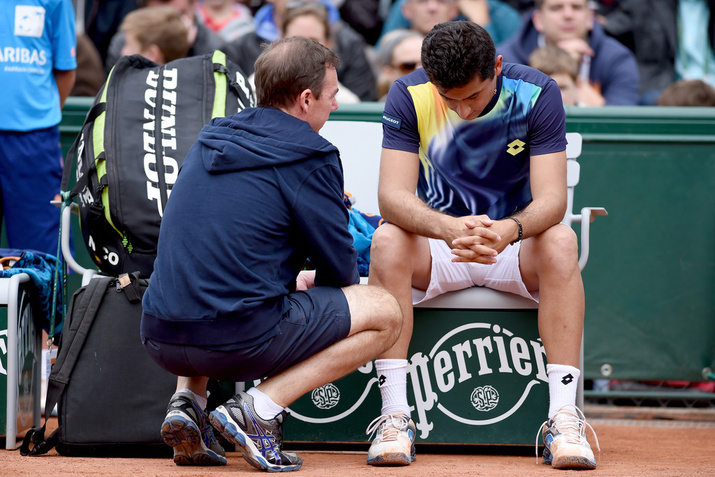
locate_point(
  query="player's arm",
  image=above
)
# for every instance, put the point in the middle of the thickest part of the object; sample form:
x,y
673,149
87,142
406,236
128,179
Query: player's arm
x,y
548,189
400,206
547,174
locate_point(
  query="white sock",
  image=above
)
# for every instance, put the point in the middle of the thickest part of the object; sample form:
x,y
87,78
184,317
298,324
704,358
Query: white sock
x,y
200,400
392,381
263,405
563,383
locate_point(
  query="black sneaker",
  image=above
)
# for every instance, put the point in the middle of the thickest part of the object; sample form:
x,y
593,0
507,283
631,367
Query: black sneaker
x,y
188,431
260,441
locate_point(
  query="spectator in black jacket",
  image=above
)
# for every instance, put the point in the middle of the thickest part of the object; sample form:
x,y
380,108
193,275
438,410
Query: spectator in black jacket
x,y
102,19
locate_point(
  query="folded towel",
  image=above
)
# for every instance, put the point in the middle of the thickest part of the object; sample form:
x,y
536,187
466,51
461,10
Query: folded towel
x,y
41,269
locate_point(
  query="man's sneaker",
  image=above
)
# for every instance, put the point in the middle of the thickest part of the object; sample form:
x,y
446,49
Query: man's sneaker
x,y
565,444
188,431
394,442
260,441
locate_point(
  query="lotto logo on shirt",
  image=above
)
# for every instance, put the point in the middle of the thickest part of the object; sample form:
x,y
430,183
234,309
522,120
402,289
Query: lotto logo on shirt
x,y
29,21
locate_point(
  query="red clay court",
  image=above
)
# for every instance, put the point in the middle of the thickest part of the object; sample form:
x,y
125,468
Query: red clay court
x,y
634,442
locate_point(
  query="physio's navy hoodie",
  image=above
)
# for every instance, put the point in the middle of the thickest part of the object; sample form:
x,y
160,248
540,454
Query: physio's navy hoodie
x,y
613,68
258,194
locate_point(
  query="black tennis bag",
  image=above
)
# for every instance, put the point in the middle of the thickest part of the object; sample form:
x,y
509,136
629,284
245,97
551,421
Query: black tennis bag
x,y
134,139
111,395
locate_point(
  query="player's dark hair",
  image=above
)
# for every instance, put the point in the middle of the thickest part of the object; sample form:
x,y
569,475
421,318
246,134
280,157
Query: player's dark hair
x,y
456,52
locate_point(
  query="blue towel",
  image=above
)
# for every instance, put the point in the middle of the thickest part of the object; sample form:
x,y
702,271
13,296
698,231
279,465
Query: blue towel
x,y
41,269
361,226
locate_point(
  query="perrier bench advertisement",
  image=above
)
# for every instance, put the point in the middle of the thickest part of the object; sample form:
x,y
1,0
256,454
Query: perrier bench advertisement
x,y
474,377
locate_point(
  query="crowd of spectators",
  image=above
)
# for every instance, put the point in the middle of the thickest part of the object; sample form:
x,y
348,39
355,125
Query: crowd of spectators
x,y
627,52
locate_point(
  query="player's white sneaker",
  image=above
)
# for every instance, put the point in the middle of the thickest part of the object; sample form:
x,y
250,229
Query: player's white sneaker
x,y
394,442
565,444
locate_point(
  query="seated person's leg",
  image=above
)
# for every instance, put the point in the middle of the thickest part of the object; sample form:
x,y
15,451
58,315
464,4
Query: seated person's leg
x,y
399,262
549,264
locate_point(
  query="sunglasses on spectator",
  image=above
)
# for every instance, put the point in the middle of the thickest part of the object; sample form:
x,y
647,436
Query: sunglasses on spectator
x,y
406,67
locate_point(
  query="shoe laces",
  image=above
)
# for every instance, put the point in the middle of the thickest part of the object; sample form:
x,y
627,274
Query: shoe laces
x,y
387,426
572,425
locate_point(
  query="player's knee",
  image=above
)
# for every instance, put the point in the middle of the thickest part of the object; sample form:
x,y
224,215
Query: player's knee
x,y
389,250
560,248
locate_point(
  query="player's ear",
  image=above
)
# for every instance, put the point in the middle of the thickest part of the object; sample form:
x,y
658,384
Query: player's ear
x,y
498,65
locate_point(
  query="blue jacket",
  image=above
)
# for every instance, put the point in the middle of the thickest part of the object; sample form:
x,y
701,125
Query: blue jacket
x,y
258,194
613,67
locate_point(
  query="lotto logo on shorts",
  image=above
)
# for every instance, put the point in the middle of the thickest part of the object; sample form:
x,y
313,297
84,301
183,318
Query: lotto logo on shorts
x,y
29,21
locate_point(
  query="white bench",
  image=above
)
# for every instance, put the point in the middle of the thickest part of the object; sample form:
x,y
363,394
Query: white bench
x,y
20,350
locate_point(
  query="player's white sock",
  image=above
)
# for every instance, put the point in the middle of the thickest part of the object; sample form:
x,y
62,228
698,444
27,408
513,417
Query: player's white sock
x,y
392,380
200,400
263,405
563,383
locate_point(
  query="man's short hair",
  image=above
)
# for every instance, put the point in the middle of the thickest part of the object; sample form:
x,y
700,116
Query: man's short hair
x,y
553,60
289,66
160,26
688,93
456,52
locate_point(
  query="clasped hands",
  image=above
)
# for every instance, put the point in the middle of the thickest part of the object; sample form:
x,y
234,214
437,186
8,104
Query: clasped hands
x,y
477,238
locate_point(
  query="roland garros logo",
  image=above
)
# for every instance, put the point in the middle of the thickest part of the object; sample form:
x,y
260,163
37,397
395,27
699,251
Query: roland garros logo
x,y
465,368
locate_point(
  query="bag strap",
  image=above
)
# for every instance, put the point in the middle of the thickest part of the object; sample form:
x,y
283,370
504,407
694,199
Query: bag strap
x,y
92,114
73,340
239,86
129,283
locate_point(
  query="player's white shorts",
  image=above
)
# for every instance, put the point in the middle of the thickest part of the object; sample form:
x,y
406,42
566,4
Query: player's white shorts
x,y
446,276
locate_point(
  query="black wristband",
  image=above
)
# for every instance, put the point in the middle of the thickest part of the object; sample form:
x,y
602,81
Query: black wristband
x,y
521,230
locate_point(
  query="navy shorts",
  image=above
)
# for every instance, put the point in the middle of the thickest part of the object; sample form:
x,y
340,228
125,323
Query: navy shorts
x,y
317,319
30,177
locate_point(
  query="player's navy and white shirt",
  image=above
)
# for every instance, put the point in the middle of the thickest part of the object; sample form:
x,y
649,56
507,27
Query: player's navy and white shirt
x,y
478,166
